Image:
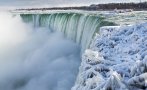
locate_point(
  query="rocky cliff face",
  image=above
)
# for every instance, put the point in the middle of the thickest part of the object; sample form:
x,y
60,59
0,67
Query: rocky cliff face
x,y
116,60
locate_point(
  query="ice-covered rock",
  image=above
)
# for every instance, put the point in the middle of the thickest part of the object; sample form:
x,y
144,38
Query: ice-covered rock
x,y
116,60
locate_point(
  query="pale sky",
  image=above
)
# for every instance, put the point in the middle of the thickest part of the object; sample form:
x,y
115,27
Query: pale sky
x,y
55,3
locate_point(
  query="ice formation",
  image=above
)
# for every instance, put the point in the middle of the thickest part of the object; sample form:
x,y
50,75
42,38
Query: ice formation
x,y
116,60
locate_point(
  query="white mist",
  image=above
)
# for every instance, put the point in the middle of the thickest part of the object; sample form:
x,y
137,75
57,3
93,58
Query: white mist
x,y
35,59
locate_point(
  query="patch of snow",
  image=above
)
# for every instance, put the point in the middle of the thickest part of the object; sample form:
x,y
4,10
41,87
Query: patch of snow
x,y
116,60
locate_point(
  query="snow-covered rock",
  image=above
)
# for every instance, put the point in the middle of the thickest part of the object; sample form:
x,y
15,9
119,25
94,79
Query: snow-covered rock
x,y
116,60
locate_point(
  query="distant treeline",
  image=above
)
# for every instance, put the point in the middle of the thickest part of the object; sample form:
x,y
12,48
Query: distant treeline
x,y
134,6
110,6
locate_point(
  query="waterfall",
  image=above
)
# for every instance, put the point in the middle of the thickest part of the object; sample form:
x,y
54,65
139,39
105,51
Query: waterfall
x,y
77,27
35,58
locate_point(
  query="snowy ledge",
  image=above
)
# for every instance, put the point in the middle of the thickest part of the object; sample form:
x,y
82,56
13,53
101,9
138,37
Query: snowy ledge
x,y
116,60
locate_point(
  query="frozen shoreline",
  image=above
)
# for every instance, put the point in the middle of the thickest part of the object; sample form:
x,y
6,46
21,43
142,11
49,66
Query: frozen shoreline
x,y
116,60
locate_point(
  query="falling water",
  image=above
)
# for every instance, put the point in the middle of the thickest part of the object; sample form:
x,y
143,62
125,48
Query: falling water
x,y
35,58
77,27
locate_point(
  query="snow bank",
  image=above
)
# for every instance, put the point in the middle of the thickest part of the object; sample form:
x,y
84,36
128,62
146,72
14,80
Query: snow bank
x,y
116,60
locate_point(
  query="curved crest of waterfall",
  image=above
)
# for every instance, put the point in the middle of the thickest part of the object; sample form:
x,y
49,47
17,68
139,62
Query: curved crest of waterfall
x,y
77,27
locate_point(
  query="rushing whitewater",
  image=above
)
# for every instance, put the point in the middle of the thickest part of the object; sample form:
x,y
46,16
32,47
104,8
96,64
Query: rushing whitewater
x,y
35,58
77,27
